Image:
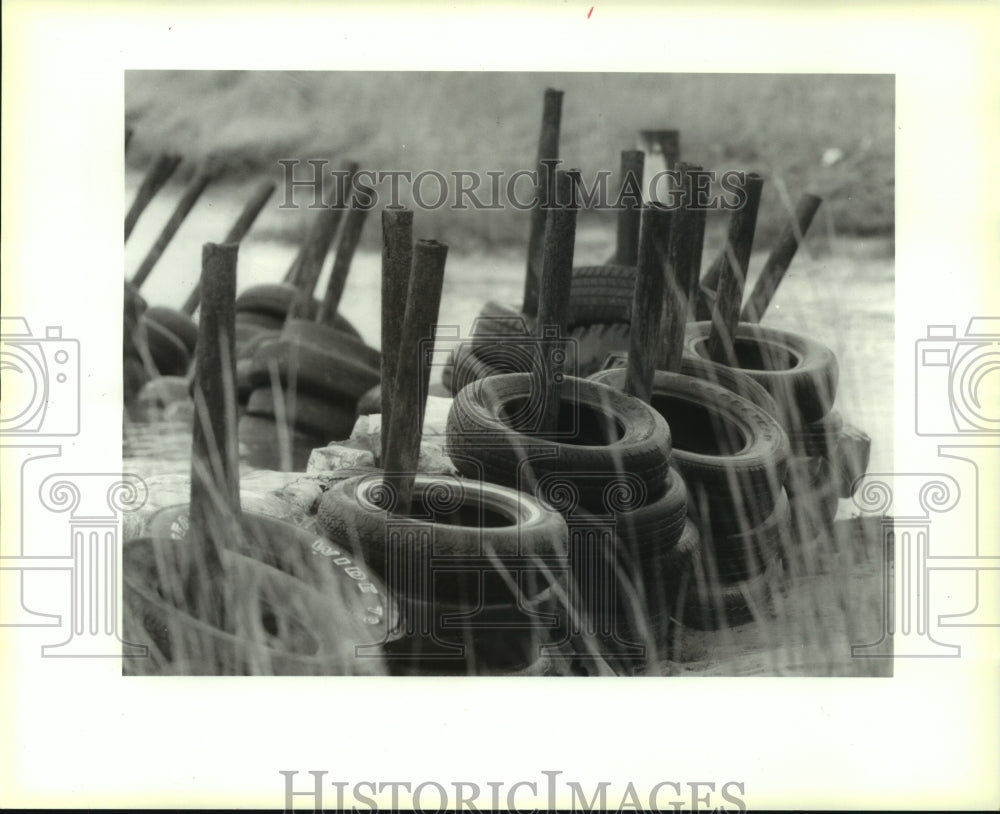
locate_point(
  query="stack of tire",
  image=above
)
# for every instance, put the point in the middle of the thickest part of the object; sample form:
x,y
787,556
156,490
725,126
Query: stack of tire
x,y
470,569
158,348
733,455
299,383
801,375
260,315
608,471
599,308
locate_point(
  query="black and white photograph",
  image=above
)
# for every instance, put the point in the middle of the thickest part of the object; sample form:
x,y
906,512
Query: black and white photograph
x,y
507,373
567,407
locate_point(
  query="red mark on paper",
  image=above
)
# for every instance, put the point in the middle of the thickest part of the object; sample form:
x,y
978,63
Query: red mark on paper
x,y
590,12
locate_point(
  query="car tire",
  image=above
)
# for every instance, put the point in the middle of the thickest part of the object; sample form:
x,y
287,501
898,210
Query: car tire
x,y
491,425
800,373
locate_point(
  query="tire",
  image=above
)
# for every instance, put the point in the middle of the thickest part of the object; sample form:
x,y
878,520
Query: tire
x,y
722,375
735,483
249,340
613,434
586,349
644,533
176,322
371,402
162,391
519,528
818,438
310,414
260,322
262,445
800,373
323,337
301,553
134,378
494,631
814,491
742,555
708,605
274,299
658,583
601,295
317,638
169,355
331,374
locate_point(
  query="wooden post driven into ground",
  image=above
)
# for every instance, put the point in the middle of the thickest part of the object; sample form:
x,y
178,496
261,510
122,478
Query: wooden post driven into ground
x,y
236,233
675,297
307,267
687,234
647,303
630,215
215,480
184,206
397,262
780,258
156,176
553,297
548,152
739,244
413,373
350,237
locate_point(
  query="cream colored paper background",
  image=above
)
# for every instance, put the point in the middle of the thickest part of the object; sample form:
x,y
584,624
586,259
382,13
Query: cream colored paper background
x,y
76,733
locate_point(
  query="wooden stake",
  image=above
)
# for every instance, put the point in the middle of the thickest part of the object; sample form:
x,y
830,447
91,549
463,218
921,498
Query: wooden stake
x,y
350,236
409,396
184,206
236,233
630,215
548,152
739,244
780,258
645,335
397,262
553,298
215,485
675,297
684,252
156,176
317,246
